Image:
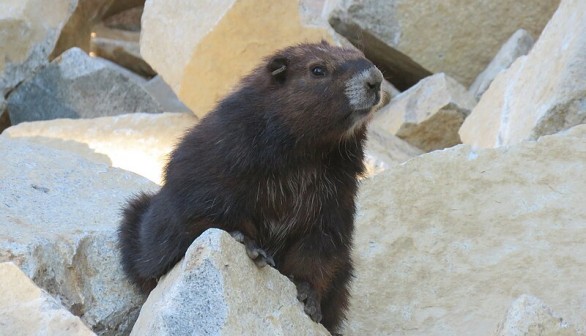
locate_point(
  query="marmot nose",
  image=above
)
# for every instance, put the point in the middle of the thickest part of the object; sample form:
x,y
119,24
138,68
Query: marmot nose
x,y
374,80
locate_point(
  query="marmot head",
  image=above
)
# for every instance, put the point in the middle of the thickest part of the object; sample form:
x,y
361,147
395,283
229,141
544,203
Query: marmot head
x,y
319,91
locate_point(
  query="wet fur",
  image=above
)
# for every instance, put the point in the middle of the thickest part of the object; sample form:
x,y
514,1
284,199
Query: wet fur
x,y
274,161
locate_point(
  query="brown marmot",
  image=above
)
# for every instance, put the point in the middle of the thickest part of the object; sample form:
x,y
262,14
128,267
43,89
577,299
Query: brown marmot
x,y
276,163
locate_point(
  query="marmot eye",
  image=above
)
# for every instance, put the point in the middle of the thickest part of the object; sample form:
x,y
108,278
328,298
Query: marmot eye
x,y
318,71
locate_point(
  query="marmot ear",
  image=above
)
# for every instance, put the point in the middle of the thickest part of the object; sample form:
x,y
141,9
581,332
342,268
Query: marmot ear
x,y
278,68
324,42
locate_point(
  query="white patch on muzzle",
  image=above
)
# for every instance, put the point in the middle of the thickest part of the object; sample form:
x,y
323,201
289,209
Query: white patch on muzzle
x,y
356,89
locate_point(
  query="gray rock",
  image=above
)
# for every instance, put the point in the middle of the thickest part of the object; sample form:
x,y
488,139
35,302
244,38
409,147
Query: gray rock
x,y
4,119
428,115
217,290
77,86
529,316
58,219
25,309
517,45
456,37
163,93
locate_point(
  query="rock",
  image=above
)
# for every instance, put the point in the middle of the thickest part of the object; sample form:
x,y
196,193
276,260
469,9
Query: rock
x,y
128,20
517,45
541,93
202,48
217,290
77,31
77,86
121,47
429,115
138,142
457,37
385,150
398,68
25,309
163,93
528,316
28,33
58,220
445,241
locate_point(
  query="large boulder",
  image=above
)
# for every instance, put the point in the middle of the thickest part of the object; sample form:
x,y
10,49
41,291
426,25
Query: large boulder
x,y
202,48
217,290
78,86
428,115
137,142
58,219
25,309
446,241
455,36
541,93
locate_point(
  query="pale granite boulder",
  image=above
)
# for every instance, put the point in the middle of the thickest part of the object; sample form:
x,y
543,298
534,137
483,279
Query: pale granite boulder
x,y
58,219
446,241
217,290
137,142
25,309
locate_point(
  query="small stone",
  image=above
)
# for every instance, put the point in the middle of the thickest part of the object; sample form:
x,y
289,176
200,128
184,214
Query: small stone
x,y
217,289
25,309
429,115
77,86
529,316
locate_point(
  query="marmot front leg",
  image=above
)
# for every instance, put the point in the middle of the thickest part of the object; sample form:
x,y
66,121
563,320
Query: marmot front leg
x,y
260,257
315,263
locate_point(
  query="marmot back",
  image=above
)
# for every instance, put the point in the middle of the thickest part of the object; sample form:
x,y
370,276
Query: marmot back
x,y
276,164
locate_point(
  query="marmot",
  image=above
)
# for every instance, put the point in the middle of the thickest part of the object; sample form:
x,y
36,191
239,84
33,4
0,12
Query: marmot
x,y
276,162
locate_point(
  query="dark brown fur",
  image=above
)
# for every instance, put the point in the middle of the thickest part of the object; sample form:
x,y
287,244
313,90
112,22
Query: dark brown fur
x,y
276,161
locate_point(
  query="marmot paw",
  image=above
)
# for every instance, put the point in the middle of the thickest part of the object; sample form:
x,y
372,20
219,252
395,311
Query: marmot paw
x,y
260,257
307,295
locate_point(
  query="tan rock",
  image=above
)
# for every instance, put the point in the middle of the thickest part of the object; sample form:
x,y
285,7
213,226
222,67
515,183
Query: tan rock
x,y
445,241
384,150
138,142
28,33
202,48
217,290
25,309
541,93
517,45
428,115
528,316
458,37
59,215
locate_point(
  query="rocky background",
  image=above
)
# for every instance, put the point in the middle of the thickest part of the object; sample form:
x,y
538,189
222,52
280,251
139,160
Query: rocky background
x,y
471,221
